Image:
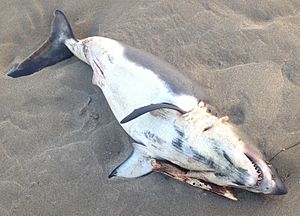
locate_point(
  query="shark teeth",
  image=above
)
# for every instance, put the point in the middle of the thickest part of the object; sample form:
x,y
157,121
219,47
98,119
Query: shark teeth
x,y
258,170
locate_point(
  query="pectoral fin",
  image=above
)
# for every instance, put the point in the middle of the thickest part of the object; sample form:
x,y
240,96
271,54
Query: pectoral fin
x,y
142,110
136,165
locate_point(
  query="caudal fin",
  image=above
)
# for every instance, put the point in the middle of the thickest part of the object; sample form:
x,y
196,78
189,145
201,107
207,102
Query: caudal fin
x,y
51,52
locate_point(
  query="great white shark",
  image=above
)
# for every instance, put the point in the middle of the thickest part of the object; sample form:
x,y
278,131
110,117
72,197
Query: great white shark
x,y
173,130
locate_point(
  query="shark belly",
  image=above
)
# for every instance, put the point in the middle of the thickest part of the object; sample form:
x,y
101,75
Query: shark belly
x,y
127,86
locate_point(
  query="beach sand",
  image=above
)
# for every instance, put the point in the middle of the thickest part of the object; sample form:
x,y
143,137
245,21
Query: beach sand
x,y
59,140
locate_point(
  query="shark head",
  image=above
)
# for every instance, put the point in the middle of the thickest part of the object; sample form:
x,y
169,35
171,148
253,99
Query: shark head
x,y
236,161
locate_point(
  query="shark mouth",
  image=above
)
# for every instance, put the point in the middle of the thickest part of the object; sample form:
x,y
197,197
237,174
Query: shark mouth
x,y
260,175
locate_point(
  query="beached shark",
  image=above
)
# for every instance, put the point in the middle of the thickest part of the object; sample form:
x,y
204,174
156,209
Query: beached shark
x,y
173,131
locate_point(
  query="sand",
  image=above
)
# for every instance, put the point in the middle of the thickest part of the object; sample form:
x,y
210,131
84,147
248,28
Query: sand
x,y
59,140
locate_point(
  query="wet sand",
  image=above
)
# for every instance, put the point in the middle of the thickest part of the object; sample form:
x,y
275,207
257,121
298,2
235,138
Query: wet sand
x,y
59,140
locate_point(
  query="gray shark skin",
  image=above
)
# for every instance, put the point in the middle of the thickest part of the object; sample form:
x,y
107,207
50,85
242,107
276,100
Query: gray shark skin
x,y
162,115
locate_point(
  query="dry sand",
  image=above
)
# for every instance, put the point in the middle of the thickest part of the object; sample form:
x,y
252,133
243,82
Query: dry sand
x,y
56,149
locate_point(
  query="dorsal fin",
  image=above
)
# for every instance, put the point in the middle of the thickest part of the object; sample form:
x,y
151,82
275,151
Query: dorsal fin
x,y
51,52
142,110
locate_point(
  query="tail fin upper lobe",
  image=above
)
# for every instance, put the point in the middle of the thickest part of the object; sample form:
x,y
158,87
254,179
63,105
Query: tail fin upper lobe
x,y
51,52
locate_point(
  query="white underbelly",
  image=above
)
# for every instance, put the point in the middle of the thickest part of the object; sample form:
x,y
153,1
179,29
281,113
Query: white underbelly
x,y
128,86
127,89
158,135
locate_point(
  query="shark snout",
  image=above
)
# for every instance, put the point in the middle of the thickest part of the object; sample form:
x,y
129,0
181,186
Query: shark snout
x,y
278,187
